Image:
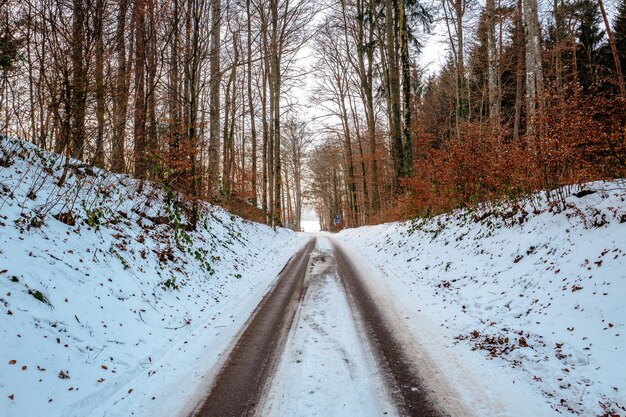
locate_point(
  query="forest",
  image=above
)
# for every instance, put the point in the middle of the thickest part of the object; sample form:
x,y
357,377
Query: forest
x,y
265,107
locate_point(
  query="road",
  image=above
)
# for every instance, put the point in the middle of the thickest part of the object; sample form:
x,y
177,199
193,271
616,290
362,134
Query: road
x,y
318,344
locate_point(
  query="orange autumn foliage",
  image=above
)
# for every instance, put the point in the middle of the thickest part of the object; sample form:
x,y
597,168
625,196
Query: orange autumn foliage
x,y
577,140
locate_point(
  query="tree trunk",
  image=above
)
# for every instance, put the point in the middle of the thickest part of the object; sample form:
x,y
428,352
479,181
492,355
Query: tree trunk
x,y
558,58
139,17
519,70
251,106
120,98
214,97
534,69
151,67
492,62
407,161
276,87
98,159
79,80
393,81
616,60
370,114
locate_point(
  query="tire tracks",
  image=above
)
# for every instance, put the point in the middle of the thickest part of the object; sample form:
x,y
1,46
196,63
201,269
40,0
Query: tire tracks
x,y
240,383
246,375
411,395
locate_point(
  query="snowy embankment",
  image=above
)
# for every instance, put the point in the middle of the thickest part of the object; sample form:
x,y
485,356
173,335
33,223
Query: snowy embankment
x,y
109,305
536,288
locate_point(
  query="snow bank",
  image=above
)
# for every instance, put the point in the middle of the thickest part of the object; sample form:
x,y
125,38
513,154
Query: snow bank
x,y
109,305
537,288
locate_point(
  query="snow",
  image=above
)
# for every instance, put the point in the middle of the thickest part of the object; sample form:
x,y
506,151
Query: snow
x,y
311,226
122,313
111,307
327,368
519,306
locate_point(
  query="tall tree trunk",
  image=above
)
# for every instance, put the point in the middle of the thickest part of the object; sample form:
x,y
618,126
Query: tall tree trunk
x,y
267,198
519,70
265,156
347,140
251,105
492,62
139,16
120,98
214,97
269,123
175,129
407,161
228,155
367,86
558,58
276,87
461,90
151,67
79,79
31,79
534,68
393,81
616,60
98,159
192,74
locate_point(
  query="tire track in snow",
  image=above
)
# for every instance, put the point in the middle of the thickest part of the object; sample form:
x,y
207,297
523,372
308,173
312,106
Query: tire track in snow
x,y
240,382
318,345
327,368
410,393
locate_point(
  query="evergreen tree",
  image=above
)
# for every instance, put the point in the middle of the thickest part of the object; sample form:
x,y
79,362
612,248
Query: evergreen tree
x,y
619,31
8,52
590,36
8,47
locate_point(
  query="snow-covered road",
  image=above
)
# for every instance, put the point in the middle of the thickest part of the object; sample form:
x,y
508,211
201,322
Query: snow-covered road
x,y
327,368
320,344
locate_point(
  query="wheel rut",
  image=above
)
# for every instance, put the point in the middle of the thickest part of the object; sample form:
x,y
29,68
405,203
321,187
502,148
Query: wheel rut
x,y
246,375
406,386
239,384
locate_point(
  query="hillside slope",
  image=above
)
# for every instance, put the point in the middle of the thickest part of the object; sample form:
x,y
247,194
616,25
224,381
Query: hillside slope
x,y
104,290
537,288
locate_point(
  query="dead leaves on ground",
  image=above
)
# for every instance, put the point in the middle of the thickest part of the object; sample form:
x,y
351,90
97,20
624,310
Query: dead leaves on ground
x,y
495,345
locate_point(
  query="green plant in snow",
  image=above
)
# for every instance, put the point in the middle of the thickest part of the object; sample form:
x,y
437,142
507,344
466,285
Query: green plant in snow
x,y
29,220
120,257
170,284
183,239
95,217
38,295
